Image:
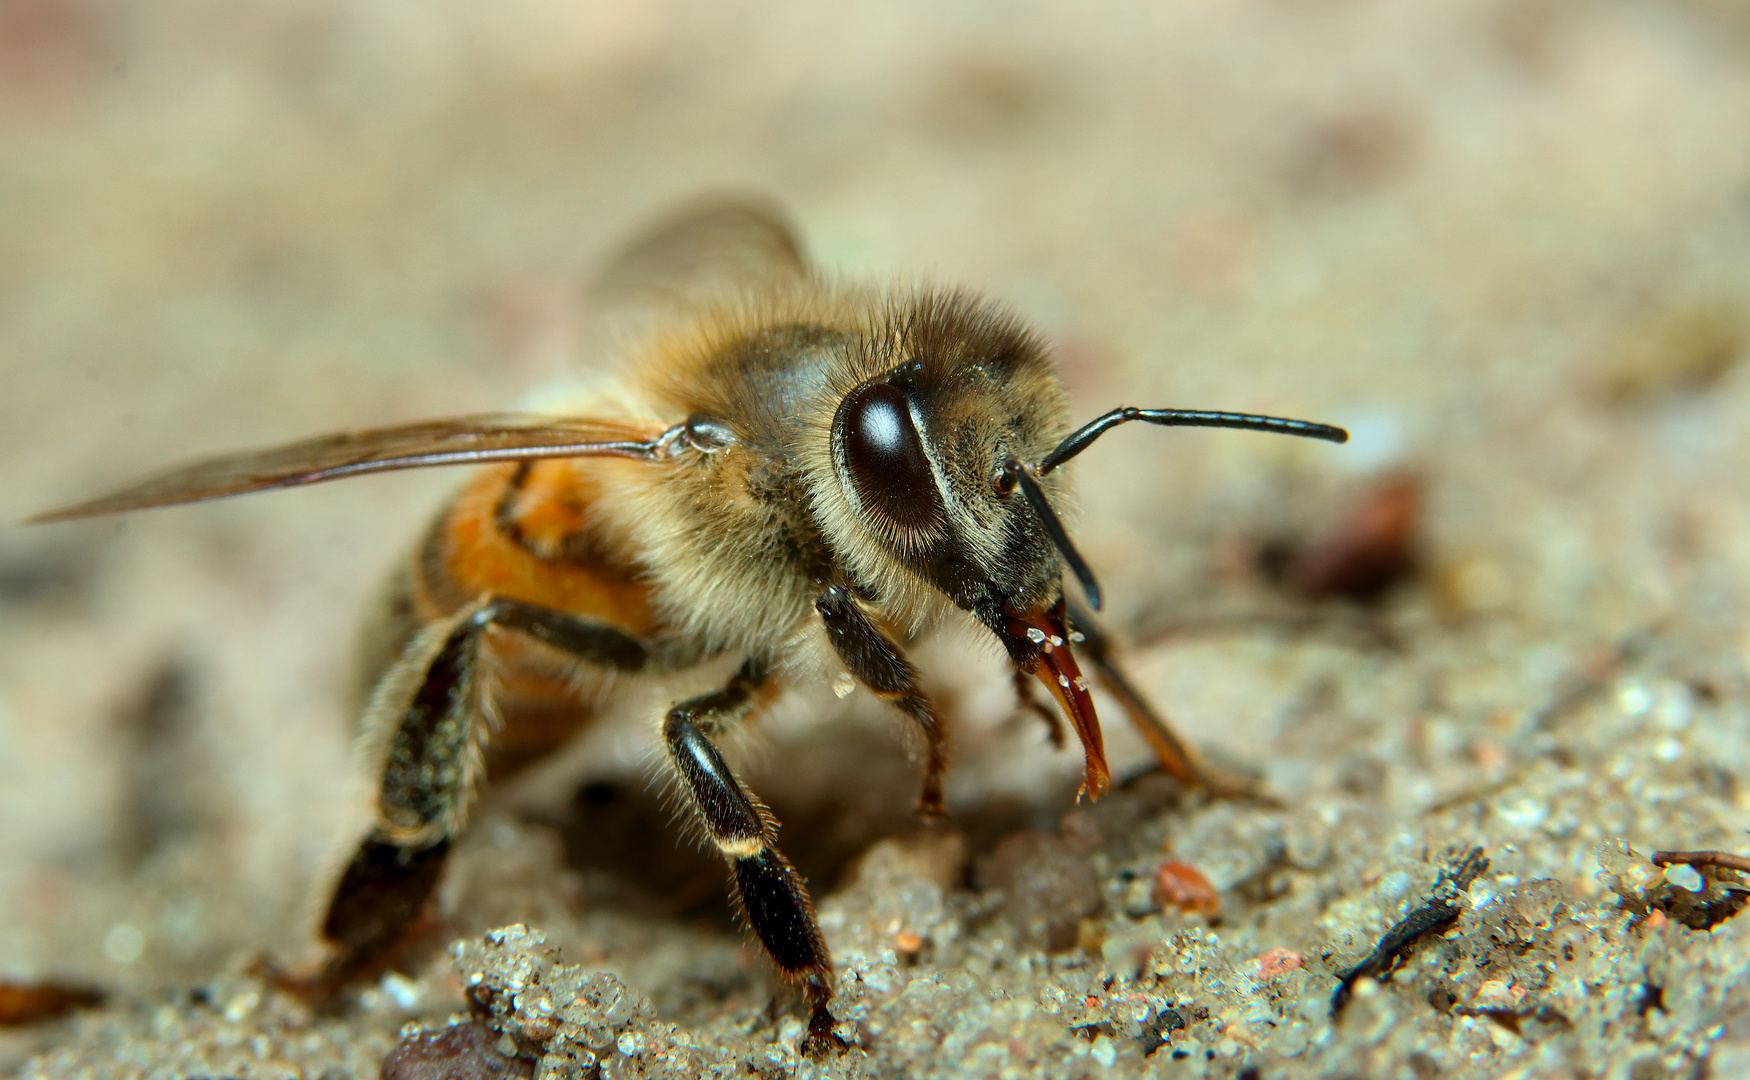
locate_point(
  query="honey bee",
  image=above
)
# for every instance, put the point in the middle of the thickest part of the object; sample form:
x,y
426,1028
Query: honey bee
x,y
791,472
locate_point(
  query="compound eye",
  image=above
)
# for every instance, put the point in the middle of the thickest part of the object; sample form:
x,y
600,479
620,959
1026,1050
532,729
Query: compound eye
x,y
885,456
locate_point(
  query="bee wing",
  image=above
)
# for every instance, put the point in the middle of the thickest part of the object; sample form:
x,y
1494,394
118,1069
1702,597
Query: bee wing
x,y
462,440
716,246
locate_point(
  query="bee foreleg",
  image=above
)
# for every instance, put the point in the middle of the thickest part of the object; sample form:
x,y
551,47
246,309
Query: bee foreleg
x,y
1174,753
1027,701
875,661
772,895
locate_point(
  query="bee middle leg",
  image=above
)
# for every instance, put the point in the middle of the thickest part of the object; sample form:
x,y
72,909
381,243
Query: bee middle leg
x,y
772,894
431,706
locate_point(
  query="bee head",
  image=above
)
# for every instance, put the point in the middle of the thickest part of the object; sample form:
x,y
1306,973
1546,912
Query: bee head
x,y
945,453
935,459
930,456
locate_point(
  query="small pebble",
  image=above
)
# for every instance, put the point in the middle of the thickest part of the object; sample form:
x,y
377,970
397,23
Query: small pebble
x,y
1181,885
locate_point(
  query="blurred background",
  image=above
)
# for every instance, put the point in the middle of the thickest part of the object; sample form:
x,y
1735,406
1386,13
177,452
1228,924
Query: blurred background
x,y
1504,240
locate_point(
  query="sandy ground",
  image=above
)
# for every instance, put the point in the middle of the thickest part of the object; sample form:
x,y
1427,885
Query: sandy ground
x,y
1502,240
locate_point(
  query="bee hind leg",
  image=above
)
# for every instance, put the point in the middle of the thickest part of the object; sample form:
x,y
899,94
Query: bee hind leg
x,y
772,895
432,713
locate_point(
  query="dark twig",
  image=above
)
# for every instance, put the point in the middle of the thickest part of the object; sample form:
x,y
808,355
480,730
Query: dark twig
x,y
1440,912
1724,859
31,1003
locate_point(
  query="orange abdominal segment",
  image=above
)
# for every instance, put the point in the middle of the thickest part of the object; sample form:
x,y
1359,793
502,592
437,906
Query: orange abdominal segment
x,y
520,531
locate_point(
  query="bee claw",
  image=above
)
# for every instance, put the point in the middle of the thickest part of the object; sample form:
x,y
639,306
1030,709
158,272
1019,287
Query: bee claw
x,y
822,1041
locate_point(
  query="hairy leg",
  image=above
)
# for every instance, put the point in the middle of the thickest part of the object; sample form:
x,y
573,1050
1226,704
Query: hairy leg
x,y
772,896
434,724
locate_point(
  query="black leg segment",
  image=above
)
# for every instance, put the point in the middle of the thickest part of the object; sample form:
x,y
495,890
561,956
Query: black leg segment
x,y
780,911
382,893
772,896
433,748
733,821
597,642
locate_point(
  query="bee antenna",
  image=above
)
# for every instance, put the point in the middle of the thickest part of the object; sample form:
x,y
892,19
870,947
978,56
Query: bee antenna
x,y
1084,436
1054,528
